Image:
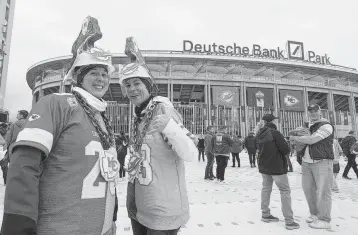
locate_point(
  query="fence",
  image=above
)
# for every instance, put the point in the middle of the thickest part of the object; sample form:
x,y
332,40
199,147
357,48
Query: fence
x,y
196,117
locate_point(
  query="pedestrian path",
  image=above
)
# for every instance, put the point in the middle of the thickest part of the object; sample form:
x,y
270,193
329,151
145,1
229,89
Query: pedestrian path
x,y
234,207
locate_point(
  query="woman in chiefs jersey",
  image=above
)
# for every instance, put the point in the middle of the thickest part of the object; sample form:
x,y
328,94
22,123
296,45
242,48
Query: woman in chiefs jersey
x,y
157,200
64,165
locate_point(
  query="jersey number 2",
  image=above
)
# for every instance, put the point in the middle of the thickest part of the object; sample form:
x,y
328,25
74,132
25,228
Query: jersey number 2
x,y
93,184
145,176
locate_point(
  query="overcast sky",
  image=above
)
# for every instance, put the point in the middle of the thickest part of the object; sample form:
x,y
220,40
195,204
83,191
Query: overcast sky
x,y
47,28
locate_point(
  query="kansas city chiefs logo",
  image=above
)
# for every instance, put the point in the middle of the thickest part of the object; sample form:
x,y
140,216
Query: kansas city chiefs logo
x,y
290,100
34,117
227,96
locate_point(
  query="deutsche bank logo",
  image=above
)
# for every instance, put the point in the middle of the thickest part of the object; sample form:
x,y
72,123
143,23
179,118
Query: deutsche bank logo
x,y
295,50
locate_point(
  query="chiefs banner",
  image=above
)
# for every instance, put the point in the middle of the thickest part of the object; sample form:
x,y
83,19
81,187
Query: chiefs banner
x,y
291,100
259,97
226,95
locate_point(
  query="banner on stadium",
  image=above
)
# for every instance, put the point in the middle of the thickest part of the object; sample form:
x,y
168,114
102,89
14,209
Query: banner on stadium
x,y
259,97
345,120
291,100
226,95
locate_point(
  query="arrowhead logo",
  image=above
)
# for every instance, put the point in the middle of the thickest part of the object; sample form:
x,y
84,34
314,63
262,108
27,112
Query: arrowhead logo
x,y
34,117
290,100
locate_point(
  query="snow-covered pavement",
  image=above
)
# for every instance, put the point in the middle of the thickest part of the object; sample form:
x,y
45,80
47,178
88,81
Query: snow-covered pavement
x,y
234,207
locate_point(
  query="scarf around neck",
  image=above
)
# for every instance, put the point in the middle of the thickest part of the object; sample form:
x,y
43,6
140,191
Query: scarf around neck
x,y
96,104
138,110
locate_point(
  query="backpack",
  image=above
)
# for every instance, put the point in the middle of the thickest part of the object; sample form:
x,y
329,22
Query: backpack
x,y
347,143
354,148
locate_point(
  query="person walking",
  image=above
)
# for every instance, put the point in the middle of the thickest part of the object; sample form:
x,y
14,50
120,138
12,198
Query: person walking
x,y
209,175
201,147
236,149
272,151
337,155
288,156
317,168
121,146
251,147
222,148
346,145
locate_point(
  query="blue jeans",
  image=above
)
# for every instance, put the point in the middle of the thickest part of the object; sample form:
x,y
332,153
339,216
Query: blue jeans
x,y
283,185
209,165
139,229
317,182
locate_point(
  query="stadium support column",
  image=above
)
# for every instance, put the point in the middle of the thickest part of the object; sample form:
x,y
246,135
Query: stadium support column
x,y
62,84
331,108
275,104
242,104
169,82
41,92
305,102
207,101
330,103
352,111
246,109
33,99
208,92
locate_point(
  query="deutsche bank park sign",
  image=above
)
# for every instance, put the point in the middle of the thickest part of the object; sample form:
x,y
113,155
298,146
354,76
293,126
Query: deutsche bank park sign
x,y
293,51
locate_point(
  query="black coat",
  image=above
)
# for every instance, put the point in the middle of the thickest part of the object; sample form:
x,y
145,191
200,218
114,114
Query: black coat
x,y
250,142
272,148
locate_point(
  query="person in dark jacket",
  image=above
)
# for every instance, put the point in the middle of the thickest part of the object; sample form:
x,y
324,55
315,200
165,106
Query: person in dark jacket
x,y
4,162
209,175
121,147
346,145
236,149
15,128
201,147
317,168
222,147
251,147
290,169
272,151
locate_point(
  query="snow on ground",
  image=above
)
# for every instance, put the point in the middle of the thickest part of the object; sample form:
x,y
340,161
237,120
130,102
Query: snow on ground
x,y
234,208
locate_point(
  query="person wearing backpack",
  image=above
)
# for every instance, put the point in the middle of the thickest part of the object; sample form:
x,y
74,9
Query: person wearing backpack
x,y
346,145
336,168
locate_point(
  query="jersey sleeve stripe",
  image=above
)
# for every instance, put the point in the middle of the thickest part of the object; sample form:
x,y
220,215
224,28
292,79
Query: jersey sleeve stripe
x,y
36,135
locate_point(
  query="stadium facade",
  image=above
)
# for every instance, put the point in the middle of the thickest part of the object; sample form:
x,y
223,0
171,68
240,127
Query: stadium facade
x,y
230,85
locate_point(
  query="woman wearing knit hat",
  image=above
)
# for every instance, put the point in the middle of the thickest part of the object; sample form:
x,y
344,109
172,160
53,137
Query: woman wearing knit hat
x,y
65,159
157,200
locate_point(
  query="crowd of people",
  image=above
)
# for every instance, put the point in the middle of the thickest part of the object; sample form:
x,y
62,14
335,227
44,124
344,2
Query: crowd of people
x,y
315,148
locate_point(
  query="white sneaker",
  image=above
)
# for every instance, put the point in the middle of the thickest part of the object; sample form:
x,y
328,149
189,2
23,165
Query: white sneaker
x,y
320,224
311,219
